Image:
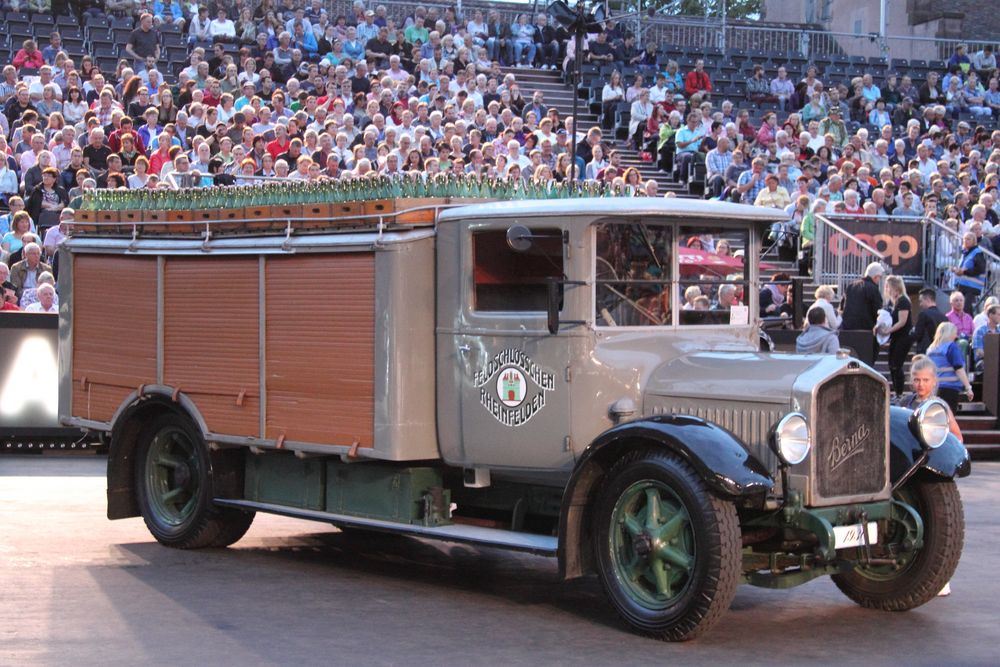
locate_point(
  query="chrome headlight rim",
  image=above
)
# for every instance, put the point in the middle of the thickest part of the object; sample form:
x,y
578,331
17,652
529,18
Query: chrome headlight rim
x,y
792,448
924,427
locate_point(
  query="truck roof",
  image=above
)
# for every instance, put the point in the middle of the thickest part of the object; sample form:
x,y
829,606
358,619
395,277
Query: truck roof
x,y
589,207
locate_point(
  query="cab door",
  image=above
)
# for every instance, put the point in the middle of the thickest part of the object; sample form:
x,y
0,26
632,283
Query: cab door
x,y
510,372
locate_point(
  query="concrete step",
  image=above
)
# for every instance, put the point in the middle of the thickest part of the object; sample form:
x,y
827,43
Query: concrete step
x,y
977,423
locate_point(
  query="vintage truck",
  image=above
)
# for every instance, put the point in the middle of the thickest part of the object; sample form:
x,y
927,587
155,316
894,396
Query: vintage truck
x,y
524,375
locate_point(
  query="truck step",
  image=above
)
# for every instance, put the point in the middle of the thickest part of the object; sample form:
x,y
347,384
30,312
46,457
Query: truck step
x,y
542,545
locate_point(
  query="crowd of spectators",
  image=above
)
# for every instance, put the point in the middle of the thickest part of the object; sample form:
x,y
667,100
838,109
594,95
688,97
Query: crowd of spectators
x,y
276,90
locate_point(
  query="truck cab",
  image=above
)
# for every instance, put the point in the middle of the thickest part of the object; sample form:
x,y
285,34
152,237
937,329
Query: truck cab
x,y
533,398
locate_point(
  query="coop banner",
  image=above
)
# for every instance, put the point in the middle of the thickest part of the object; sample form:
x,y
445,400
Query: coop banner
x,y
901,241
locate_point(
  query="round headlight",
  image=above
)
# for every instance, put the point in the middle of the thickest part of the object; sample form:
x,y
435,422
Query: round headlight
x,y
791,439
932,423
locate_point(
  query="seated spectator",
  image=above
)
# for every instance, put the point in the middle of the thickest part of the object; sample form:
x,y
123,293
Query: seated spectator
x,y
959,317
697,81
9,297
758,87
29,57
24,274
13,241
772,195
818,337
773,295
991,326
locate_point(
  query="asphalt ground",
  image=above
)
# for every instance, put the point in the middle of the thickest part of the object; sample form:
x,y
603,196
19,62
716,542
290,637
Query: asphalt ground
x,y
77,589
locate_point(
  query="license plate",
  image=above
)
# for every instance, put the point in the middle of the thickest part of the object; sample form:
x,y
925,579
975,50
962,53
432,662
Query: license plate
x,y
851,536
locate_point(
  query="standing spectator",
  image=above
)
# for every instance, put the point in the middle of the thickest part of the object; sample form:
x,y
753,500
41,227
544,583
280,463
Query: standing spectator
x,y
927,321
970,271
143,42
946,354
862,301
899,333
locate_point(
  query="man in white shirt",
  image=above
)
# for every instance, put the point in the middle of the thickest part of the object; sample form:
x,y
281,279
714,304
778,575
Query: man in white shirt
x,y
46,303
659,92
222,28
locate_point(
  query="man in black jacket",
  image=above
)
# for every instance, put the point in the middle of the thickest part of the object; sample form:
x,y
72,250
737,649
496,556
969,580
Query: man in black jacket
x,y
548,47
927,321
862,301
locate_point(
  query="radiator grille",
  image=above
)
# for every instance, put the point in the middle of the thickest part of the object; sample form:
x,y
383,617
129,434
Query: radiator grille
x,y
850,437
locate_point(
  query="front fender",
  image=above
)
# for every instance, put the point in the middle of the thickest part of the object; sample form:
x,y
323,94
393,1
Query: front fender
x,y
721,460
719,457
949,460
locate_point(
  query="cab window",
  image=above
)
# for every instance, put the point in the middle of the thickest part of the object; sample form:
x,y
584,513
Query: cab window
x,y
712,287
632,277
506,280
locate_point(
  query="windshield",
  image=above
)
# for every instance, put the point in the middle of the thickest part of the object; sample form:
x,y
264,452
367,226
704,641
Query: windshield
x,y
647,271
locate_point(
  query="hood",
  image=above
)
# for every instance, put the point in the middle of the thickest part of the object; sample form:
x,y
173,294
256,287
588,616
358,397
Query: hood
x,y
745,376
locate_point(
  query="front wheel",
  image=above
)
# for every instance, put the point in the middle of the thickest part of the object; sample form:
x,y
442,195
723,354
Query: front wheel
x,y
668,550
173,473
918,575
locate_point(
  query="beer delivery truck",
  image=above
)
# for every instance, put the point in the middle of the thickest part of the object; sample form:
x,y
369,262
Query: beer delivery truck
x,y
513,374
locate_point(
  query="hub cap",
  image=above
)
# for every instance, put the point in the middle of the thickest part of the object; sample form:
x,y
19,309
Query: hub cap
x,y
173,474
652,546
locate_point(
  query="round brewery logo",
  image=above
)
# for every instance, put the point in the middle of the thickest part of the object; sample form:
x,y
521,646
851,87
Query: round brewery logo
x,y
510,387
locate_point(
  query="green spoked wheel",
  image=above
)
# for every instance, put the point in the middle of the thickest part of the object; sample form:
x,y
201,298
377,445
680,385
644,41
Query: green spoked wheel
x,y
173,473
918,574
652,546
668,550
173,476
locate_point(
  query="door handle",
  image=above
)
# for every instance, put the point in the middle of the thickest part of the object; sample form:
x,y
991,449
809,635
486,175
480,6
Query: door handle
x,y
464,349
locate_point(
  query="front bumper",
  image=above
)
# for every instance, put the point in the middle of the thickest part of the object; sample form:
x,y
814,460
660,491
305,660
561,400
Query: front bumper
x,y
784,570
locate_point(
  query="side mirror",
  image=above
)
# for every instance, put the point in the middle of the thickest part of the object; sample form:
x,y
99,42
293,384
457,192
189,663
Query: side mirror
x,y
519,238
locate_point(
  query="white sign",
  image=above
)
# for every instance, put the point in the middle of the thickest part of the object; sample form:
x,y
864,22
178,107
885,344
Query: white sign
x,y
739,315
505,387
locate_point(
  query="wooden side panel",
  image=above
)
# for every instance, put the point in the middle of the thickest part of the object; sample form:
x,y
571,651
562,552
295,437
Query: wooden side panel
x,y
114,331
320,341
211,339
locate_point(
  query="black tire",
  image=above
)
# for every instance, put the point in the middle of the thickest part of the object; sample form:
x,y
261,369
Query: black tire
x,y
918,581
200,523
711,536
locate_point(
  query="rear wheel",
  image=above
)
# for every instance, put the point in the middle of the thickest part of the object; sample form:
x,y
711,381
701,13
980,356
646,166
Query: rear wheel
x,y
918,574
174,489
668,550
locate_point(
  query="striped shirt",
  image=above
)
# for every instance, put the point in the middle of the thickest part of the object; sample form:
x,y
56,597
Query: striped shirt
x,y
717,162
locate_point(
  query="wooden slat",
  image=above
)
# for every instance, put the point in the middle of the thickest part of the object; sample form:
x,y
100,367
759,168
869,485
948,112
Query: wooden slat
x,y
210,338
114,331
320,348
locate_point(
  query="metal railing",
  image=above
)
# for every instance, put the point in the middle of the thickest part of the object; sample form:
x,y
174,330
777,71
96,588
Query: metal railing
x,y
839,256
945,252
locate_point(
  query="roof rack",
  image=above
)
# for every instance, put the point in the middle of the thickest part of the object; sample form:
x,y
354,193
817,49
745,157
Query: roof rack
x,y
281,219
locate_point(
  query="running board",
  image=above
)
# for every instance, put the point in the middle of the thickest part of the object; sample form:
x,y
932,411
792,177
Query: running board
x,y
542,545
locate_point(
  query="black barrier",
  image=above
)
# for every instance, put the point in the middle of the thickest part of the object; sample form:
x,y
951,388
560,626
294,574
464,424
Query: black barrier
x,y
29,378
901,240
991,373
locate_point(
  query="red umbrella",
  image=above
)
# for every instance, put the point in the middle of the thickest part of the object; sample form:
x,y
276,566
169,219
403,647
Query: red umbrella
x,y
697,262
